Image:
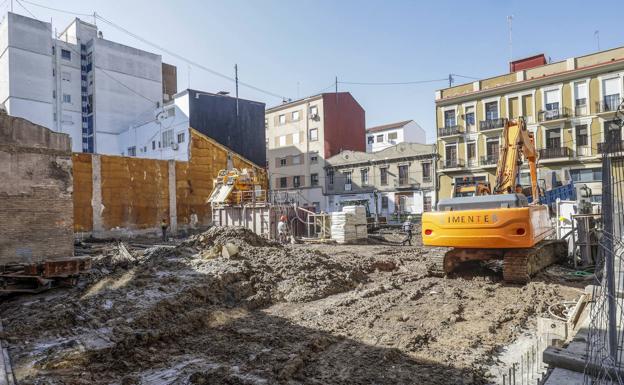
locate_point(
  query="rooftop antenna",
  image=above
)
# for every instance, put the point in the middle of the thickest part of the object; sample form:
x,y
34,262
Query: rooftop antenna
x,y
510,25
597,36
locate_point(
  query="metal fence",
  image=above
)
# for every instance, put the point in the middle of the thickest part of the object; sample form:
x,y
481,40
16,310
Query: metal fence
x,y
603,363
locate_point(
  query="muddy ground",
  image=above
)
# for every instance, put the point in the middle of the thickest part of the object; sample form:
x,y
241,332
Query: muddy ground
x,y
296,314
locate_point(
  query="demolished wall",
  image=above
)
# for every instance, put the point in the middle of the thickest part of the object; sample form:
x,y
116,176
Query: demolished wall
x,y
126,196
36,211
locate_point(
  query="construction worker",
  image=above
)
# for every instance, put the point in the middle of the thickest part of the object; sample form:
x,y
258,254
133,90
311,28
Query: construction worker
x,y
282,229
163,226
407,229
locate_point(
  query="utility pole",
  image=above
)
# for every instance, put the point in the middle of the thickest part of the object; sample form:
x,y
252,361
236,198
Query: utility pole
x,y
597,36
336,84
450,80
510,23
236,80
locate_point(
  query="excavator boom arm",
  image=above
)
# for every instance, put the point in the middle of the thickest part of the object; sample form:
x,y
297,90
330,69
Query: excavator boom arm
x,y
517,141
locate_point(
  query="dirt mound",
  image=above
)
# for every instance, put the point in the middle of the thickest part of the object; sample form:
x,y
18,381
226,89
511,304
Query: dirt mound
x,y
217,235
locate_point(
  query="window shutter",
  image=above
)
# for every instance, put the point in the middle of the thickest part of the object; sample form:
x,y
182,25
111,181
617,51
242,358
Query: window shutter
x,y
551,96
610,86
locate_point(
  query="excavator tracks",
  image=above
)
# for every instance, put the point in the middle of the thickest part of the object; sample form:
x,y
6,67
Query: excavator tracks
x,y
519,265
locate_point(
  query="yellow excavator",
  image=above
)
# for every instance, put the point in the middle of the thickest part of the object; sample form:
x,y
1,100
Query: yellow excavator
x,y
497,224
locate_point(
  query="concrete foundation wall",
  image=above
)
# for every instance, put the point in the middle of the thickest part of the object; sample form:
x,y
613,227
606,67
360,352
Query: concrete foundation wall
x,y
127,196
35,192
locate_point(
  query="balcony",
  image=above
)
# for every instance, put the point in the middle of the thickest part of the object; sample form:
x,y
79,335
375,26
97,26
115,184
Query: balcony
x,y
472,162
581,110
492,124
554,114
610,147
451,163
583,151
608,104
555,152
489,160
450,130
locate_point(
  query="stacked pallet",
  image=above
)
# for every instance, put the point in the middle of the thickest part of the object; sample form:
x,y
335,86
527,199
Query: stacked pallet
x,y
349,225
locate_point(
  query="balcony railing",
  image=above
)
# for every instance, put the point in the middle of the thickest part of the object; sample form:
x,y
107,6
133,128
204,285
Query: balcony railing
x,y
555,152
489,160
451,130
452,163
609,147
583,151
426,179
472,162
581,110
554,114
492,124
608,103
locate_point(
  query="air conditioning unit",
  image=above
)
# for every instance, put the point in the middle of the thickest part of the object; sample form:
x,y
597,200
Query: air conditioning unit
x,y
175,146
314,116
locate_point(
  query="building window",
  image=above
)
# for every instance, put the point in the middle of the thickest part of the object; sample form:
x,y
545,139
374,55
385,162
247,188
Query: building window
x,y
347,184
449,118
586,175
282,119
283,182
314,179
611,94
426,203
383,173
282,162
66,76
471,151
581,135
551,104
313,135
66,98
295,115
167,138
296,181
384,202
295,138
132,151
380,138
491,111
364,176
296,159
553,138
65,54
314,157
469,117
282,140
153,144
266,124
330,177
403,174
580,98
393,135
370,140
426,171
313,111
491,150
181,137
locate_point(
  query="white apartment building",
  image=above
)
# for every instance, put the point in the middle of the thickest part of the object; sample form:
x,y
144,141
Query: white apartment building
x,y
381,137
77,82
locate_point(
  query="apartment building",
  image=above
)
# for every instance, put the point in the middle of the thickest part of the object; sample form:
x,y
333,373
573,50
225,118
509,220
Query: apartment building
x,y
569,105
301,134
388,135
396,181
77,82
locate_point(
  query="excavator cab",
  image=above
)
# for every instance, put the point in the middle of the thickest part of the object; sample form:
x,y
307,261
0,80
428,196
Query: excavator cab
x,y
497,224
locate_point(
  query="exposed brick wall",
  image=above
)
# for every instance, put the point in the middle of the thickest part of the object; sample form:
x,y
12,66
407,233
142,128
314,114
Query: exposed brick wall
x,y
36,209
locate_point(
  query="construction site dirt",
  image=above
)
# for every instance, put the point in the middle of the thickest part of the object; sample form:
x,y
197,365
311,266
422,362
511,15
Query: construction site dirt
x,y
270,314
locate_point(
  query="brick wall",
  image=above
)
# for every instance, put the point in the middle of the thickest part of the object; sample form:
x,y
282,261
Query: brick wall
x,y
36,213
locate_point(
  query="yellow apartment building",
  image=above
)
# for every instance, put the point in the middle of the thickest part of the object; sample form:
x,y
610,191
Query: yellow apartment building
x,y
569,106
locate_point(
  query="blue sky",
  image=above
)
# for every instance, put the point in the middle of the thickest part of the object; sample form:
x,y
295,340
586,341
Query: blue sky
x,y
296,48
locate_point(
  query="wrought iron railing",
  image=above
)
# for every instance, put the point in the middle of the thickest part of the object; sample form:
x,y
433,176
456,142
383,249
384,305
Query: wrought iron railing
x,y
451,130
554,114
492,124
555,152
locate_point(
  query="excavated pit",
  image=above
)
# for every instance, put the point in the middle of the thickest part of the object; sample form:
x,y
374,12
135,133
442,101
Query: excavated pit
x,y
271,314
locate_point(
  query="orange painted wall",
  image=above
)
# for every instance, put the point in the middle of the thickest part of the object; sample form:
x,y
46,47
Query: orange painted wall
x,y
135,192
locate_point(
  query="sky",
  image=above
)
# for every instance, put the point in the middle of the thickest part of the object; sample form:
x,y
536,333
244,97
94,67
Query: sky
x,y
295,49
